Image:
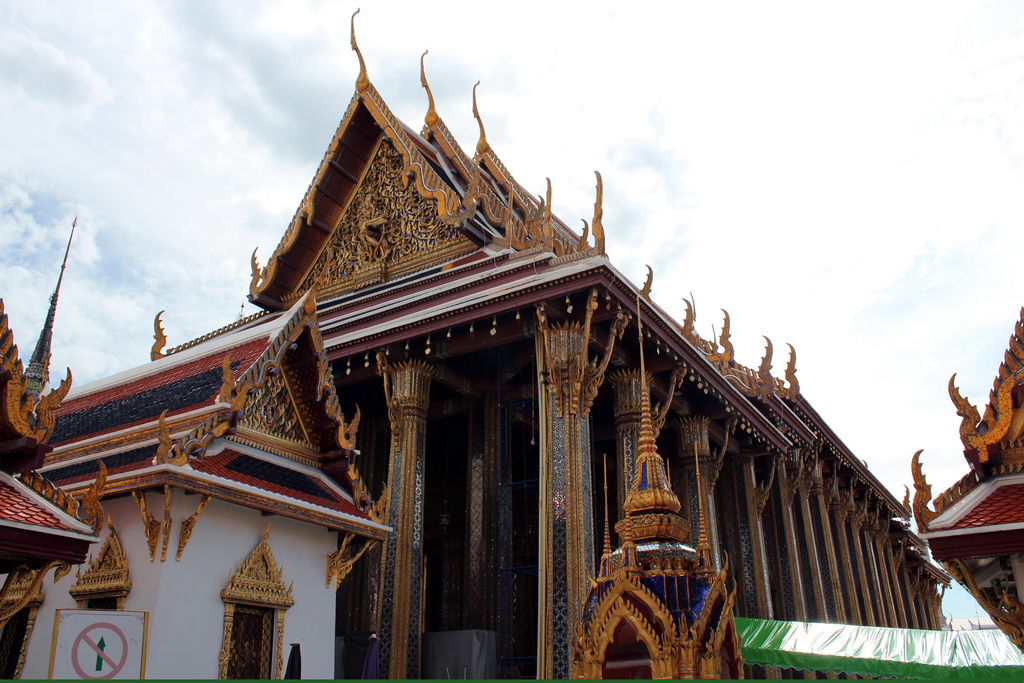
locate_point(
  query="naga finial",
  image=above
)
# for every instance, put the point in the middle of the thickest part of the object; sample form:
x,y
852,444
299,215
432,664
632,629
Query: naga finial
x,y
482,146
922,494
545,228
725,340
646,291
598,215
906,499
431,118
764,370
362,81
968,413
92,509
691,316
794,383
585,235
255,274
159,338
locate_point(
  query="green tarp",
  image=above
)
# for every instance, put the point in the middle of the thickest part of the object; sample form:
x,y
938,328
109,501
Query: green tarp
x,y
875,651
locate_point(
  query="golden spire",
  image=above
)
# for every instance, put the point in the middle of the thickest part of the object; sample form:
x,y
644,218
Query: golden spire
x,y
363,81
482,147
37,375
650,490
431,118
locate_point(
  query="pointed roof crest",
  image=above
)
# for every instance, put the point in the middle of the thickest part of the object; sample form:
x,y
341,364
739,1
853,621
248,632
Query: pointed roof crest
x,y
482,146
37,375
362,81
431,118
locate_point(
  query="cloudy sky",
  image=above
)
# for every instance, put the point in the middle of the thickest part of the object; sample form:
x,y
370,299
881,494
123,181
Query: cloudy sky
x,y
845,179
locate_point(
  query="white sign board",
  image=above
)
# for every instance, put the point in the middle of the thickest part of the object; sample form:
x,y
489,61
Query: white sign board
x,y
98,644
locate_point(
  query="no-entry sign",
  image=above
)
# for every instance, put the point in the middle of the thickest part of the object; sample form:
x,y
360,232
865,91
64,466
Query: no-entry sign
x,y
99,644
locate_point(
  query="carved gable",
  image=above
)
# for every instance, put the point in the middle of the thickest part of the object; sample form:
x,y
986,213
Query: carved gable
x,y
388,229
270,410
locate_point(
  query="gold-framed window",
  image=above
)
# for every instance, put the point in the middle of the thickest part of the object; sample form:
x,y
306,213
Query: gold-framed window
x,y
255,601
105,583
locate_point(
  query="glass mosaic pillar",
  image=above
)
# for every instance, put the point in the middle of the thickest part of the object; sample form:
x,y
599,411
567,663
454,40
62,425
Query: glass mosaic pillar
x,y
407,390
893,569
840,515
693,438
805,487
627,385
755,559
857,546
787,481
830,555
480,599
567,545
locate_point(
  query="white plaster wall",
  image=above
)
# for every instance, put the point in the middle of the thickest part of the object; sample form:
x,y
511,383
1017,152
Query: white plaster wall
x,y
183,598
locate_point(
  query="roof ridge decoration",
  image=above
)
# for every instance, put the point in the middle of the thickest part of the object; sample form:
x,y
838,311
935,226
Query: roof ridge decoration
x,y
1003,422
753,383
424,161
231,327
237,393
21,413
159,338
37,376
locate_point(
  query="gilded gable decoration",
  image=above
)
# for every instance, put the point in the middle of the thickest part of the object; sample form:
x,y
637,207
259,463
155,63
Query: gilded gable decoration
x,y
20,413
1003,421
270,410
388,229
257,582
106,576
23,584
24,590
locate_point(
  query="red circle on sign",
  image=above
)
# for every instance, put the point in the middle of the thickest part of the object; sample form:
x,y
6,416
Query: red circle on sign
x,y
114,668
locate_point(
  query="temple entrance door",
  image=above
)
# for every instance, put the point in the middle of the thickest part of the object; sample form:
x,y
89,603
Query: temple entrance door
x,y
626,656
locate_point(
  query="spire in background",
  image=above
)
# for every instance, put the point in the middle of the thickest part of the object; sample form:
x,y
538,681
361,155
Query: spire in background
x,y
37,376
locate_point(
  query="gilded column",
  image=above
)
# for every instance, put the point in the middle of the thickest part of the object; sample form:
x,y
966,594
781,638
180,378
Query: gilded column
x,y
787,489
627,385
480,601
755,559
856,529
407,392
832,571
567,547
881,539
805,490
693,439
840,514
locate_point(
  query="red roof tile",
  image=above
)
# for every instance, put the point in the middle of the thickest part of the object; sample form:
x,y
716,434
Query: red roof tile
x,y
1005,505
15,506
221,465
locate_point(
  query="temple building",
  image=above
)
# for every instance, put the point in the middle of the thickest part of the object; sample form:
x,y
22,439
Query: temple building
x,y
976,527
439,369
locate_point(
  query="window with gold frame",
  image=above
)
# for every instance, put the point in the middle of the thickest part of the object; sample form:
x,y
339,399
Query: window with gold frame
x,y
16,631
105,584
255,601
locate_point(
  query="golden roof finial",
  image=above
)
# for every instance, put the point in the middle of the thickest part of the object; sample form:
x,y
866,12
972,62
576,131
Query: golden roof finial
x,y
363,81
482,147
646,291
159,338
598,226
431,118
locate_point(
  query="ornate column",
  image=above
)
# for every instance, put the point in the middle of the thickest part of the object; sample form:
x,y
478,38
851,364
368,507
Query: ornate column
x,y
407,392
479,602
829,556
809,479
754,561
567,546
788,480
894,560
693,439
627,384
840,514
856,528
881,538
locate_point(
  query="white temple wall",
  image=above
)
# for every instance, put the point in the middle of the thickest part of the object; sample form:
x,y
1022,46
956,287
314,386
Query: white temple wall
x,y
186,613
